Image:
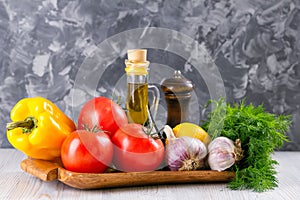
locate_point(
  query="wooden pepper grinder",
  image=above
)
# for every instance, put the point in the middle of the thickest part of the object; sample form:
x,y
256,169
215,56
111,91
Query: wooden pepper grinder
x,y
178,92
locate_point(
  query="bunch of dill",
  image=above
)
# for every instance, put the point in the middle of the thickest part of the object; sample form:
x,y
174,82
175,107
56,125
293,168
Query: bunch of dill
x,y
260,133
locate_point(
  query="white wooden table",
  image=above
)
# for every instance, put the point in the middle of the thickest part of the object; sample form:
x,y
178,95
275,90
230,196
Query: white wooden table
x,y
16,184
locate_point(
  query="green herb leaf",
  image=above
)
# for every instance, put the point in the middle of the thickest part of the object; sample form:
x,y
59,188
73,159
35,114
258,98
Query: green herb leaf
x,y
260,133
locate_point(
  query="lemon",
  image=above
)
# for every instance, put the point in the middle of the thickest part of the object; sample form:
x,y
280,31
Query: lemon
x,y
191,130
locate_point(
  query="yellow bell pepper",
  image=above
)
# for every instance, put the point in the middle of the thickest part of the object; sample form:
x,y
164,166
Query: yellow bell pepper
x,y
38,128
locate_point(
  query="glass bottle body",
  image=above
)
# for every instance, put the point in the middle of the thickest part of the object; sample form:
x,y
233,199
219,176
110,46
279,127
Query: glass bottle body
x,y
137,98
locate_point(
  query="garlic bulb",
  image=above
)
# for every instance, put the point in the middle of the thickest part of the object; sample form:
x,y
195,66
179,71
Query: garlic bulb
x,y
184,153
223,153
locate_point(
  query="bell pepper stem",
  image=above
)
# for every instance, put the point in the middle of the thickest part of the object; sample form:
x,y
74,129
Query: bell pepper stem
x,y
28,124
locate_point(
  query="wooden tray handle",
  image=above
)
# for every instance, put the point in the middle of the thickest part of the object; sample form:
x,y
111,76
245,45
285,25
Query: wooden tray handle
x,y
42,169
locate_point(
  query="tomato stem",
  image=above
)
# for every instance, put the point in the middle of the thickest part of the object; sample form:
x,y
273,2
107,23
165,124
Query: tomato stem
x,y
95,129
158,134
117,99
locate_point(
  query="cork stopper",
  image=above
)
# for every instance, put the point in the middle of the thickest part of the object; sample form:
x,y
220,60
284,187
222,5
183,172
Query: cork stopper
x,y
137,55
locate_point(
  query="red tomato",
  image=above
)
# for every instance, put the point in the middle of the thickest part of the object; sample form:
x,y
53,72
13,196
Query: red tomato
x,y
135,151
87,152
103,113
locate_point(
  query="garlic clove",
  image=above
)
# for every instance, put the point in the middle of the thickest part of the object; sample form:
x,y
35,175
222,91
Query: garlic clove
x,y
169,133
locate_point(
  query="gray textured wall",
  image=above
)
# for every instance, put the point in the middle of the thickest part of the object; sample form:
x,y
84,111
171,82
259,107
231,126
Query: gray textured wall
x,y
255,44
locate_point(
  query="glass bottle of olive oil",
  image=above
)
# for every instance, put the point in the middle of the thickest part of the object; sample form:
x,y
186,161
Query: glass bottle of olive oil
x,y
137,86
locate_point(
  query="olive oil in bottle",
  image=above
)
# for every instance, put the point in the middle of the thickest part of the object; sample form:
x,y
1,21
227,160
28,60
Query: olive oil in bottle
x,y
137,102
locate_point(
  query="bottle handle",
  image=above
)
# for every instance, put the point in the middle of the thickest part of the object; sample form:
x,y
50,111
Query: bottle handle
x,y
156,96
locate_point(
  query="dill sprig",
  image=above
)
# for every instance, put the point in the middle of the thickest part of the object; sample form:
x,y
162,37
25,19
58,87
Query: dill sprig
x,y
260,133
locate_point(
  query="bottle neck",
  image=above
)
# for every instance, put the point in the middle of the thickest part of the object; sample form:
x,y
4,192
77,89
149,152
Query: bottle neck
x,y
137,72
133,78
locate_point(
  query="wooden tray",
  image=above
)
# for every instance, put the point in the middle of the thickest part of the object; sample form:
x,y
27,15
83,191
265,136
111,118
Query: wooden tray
x,y
49,171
